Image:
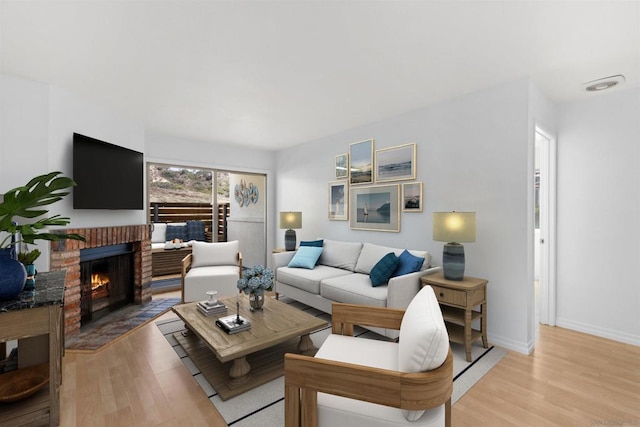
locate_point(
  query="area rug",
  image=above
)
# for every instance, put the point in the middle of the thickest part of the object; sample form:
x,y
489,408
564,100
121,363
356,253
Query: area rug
x,y
264,405
162,285
115,325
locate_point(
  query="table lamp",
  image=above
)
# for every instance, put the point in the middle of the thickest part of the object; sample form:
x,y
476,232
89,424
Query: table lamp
x,y
453,228
289,221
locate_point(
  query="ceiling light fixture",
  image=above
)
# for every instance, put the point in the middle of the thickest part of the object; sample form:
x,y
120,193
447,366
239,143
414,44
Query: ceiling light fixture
x,y
603,83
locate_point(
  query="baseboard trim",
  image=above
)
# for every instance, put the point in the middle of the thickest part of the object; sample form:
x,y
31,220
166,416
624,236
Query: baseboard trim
x,y
598,331
509,344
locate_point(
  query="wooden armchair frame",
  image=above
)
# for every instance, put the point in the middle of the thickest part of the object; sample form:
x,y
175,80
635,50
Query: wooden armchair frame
x,y
186,266
306,376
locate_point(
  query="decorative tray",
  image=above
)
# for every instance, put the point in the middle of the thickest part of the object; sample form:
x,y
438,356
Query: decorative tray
x,y
22,383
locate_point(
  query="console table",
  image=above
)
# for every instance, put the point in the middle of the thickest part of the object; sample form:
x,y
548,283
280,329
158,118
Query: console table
x,y
167,261
35,320
457,298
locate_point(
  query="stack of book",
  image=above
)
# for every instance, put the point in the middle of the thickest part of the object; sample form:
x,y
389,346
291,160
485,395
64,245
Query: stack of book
x,y
233,324
209,309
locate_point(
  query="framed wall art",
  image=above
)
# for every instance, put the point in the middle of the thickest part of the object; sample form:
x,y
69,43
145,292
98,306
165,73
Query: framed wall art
x,y
412,197
375,207
338,201
342,166
361,162
396,163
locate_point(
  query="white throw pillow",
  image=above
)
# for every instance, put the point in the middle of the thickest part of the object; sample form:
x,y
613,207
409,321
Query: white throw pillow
x,y
159,233
424,342
340,254
218,253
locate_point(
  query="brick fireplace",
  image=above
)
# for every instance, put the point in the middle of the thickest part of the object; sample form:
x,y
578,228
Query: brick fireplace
x,y
65,255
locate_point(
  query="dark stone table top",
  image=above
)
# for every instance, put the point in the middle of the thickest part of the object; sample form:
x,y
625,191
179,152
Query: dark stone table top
x,y
49,290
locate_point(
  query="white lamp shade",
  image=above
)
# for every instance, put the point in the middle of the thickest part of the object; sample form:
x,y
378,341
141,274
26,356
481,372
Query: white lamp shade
x,y
454,226
290,220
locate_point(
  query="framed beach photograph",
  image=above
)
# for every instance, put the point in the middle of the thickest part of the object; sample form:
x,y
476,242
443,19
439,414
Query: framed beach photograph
x,y
396,163
412,197
338,201
375,208
361,162
342,166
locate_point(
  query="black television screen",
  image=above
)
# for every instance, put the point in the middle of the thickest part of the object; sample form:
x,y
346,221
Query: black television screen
x,y
108,176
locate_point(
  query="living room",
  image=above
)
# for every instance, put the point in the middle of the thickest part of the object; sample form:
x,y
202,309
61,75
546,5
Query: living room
x,y
474,153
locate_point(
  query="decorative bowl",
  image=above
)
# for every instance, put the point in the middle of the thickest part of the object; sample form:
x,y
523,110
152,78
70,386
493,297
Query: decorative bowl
x,y
22,383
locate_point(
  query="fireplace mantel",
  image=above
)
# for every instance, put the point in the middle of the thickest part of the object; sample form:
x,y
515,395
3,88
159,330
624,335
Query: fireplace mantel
x,y
65,255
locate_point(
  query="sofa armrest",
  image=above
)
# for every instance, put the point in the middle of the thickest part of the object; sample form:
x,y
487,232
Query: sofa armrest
x,y
281,259
402,289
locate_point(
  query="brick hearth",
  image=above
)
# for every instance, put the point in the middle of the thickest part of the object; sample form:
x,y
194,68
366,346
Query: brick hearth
x,y
65,255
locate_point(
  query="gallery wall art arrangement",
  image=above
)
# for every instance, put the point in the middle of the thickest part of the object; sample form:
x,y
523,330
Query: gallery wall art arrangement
x,y
365,191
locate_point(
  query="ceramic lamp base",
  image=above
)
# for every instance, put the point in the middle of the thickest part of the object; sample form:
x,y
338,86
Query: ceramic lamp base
x,y
453,261
290,240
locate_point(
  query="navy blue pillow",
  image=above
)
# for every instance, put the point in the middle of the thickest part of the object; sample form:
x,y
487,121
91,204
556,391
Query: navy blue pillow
x,y
314,243
195,230
408,263
176,232
382,271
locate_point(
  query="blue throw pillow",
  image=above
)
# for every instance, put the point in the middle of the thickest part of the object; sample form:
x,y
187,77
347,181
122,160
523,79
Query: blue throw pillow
x,y
408,263
195,231
382,271
305,257
176,232
315,243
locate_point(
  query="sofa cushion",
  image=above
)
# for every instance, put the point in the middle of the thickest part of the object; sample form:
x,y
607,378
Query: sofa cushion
x,y
309,280
424,342
195,231
340,254
211,254
408,263
372,253
176,231
382,271
317,243
305,257
354,289
159,233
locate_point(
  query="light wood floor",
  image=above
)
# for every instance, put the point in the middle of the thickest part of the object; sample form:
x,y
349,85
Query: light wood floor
x,y
573,379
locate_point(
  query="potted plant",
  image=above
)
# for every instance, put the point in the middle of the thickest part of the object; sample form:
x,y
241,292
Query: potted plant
x,y
21,220
253,282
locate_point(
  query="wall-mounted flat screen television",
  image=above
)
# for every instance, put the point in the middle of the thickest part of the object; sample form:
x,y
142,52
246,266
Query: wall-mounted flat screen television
x,y
108,176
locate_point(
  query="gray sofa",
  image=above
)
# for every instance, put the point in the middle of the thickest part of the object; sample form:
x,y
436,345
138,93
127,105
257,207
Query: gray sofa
x,y
342,275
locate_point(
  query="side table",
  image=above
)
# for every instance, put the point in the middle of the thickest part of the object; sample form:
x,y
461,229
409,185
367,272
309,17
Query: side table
x,y
457,299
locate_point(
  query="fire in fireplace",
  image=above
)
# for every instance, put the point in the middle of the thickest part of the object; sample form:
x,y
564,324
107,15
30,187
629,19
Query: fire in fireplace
x,y
106,280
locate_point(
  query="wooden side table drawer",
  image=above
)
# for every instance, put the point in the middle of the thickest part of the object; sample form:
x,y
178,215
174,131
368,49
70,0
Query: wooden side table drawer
x,y
450,296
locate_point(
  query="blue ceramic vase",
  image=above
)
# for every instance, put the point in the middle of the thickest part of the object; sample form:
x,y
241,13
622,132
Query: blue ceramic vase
x,y
12,275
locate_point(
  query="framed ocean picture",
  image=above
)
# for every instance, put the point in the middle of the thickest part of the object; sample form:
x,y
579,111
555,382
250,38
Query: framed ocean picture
x,y
375,207
338,201
412,197
361,162
396,163
342,166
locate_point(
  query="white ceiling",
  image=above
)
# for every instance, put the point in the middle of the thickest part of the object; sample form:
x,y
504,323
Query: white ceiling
x,y
277,73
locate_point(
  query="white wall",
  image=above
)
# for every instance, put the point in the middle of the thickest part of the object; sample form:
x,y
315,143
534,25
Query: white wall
x,y
37,123
599,215
472,156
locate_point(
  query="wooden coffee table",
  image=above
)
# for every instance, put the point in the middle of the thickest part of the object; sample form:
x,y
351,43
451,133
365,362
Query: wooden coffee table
x,y
250,358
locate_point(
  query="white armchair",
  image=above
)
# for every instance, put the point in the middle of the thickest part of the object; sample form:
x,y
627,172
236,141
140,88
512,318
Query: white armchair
x,y
369,383
211,266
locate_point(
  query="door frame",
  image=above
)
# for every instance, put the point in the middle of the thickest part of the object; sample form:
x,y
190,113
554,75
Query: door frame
x,y
548,208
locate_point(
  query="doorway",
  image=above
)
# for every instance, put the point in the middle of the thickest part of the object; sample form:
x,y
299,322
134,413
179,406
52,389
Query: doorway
x,y
544,228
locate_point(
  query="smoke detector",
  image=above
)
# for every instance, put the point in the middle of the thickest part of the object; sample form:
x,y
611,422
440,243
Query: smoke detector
x,y
603,83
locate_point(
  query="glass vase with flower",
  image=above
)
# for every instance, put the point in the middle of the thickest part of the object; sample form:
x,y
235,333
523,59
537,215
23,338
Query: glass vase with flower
x,y
254,282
